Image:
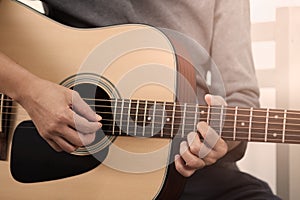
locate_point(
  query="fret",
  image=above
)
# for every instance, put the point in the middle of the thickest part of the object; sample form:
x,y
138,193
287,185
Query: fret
x,y
163,120
131,116
183,120
234,126
115,115
221,120
250,124
292,126
136,117
157,118
173,119
284,125
266,125
195,118
242,124
128,117
153,118
216,118
1,111
208,115
121,117
228,121
169,119
275,125
145,117
190,119
258,125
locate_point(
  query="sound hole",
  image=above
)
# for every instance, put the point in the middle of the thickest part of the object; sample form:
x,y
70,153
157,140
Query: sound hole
x,y
99,101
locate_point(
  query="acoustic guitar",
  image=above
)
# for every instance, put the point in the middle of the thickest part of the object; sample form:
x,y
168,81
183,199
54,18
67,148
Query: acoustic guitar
x,y
133,77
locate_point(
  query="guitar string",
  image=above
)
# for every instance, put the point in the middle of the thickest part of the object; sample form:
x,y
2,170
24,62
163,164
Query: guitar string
x,y
277,123
239,121
201,112
295,139
241,130
228,108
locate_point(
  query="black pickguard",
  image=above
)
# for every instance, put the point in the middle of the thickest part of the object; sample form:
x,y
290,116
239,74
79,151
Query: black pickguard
x,y
33,160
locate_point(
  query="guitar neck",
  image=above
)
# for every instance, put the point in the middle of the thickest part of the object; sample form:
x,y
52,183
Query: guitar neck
x,y
5,121
169,120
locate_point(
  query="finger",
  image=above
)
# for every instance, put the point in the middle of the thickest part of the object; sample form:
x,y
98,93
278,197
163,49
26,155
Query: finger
x,y
64,145
182,168
194,142
54,146
204,151
83,109
210,136
83,125
72,136
196,146
189,158
212,141
211,157
87,138
78,139
215,100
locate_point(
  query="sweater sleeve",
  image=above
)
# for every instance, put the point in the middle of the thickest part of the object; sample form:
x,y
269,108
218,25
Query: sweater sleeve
x,y
231,52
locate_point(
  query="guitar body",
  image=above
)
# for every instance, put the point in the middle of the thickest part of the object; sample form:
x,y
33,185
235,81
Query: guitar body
x,y
126,61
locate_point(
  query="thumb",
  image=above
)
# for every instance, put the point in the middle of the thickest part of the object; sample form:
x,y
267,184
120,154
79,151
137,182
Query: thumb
x,y
214,100
83,109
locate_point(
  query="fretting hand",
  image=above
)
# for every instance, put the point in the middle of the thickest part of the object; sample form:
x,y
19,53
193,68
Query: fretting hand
x,y
194,153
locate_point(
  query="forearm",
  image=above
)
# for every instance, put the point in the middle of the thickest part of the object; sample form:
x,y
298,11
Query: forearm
x,y
14,79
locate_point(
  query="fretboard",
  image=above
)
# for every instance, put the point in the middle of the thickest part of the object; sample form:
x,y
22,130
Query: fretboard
x,y
169,120
1,110
5,120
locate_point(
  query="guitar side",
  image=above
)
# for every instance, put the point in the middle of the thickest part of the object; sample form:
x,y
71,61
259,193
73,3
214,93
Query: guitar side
x,y
55,52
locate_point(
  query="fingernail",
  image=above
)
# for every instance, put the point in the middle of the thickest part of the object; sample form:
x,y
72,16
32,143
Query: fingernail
x,y
201,126
98,117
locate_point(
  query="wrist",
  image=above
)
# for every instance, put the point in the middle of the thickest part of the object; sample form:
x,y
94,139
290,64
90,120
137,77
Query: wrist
x,y
24,87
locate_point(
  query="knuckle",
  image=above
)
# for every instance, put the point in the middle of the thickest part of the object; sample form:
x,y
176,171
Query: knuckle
x,y
74,94
193,163
89,138
195,148
70,149
79,142
180,169
57,149
51,129
209,160
189,173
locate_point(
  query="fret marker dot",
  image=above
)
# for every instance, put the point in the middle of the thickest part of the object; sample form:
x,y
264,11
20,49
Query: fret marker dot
x,y
276,116
202,112
149,118
274,134
243,124
168,119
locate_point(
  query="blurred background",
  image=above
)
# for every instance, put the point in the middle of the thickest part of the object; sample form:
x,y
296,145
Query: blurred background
x,y
276,53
